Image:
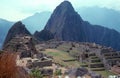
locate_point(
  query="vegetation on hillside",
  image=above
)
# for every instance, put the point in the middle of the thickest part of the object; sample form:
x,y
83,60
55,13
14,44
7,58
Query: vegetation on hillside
x,y
8,68
36,73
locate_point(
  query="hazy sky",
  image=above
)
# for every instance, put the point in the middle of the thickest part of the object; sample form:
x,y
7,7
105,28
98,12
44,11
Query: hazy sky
x,y
15,10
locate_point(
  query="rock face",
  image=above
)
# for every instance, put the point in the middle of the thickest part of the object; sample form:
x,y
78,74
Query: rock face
x,y
67,25
17,29
21,43
64,19
44,35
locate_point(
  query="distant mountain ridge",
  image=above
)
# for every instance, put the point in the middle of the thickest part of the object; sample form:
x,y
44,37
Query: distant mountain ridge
x,y
4,27
33,23
101,16
67,25
36,21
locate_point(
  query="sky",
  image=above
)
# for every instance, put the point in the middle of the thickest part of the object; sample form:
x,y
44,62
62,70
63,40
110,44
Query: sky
x,y
15,10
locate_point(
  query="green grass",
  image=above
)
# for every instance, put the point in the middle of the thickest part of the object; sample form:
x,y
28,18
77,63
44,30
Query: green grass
x,y
96,63
59,56
105,73
93,57
53,53
1,51
96,59
64,47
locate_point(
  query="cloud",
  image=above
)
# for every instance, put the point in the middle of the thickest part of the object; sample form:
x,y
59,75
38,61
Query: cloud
x,y
19,9
113,4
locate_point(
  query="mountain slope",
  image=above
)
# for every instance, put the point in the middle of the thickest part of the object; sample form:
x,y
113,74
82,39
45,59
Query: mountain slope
x,y
43,35
4,27
66,24
36,21
101,16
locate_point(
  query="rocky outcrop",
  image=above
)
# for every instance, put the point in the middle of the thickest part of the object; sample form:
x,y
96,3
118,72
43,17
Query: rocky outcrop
x,y
23,44
20,40
44,35
17,29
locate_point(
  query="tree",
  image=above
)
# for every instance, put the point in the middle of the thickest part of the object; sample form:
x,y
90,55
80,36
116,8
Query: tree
x,y
58,72
8,68
36,73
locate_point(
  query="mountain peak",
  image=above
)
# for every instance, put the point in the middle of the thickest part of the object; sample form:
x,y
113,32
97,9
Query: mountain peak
x,y
17,29
66,3
19,22
18,25
65,6
61,18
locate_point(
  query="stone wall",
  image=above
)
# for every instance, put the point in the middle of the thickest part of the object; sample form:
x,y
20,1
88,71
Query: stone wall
x,y
42,63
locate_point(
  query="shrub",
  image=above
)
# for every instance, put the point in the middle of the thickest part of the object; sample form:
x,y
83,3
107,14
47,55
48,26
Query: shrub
x,y
8,68
36,73
58,72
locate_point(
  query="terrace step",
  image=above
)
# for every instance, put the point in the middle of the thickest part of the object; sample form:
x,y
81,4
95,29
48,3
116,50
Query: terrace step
x,y
97,69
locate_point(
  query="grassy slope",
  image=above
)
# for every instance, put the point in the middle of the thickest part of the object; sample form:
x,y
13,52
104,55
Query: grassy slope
x,y
105,73
59,56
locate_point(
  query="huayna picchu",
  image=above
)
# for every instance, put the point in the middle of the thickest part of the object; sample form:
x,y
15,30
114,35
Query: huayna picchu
x,y
67,25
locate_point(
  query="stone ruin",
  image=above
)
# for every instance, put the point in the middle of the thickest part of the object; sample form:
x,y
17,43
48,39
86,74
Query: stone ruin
x,y
81,72
96,57
22,44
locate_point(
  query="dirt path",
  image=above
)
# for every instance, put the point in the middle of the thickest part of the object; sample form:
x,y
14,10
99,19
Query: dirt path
x,y
52,50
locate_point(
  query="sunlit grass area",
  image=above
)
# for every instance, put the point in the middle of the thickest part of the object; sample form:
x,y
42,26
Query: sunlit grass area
x,y
105,73
60,56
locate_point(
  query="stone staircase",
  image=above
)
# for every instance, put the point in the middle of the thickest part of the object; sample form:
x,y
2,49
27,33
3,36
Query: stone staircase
x,y
95,63
110,59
